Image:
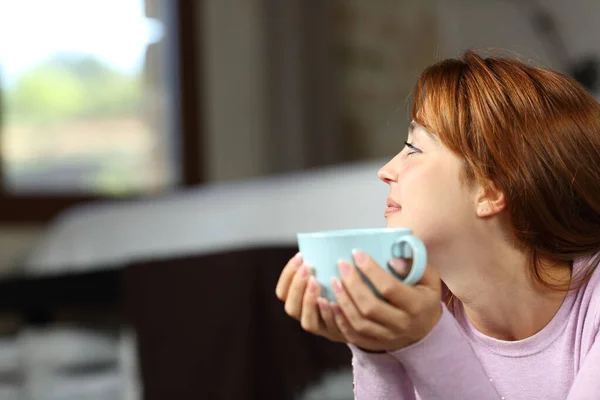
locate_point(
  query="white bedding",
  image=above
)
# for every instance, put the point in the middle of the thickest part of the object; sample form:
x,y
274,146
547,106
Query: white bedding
x,y
212,218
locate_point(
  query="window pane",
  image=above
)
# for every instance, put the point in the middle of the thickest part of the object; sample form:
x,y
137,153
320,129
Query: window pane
x,y
84,97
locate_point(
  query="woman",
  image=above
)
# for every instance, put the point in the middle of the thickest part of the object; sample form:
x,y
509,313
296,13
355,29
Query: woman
x,y
500,178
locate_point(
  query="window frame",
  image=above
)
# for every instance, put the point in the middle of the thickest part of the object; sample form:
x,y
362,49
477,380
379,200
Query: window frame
x,y
41,208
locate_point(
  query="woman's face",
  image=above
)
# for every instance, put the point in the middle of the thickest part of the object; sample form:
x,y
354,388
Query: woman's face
x,y
425,184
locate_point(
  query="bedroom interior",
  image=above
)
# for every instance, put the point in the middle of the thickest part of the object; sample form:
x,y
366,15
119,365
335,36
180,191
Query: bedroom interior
x,y
140,262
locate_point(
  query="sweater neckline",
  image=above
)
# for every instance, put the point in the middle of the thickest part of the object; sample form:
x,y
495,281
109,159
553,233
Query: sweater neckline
x,y
532,344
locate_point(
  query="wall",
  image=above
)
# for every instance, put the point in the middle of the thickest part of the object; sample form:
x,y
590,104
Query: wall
x,y
381,46
235,98
270,81
378,49
506,24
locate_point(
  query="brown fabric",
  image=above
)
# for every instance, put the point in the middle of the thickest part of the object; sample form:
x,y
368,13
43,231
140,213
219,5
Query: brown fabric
x,y
210,327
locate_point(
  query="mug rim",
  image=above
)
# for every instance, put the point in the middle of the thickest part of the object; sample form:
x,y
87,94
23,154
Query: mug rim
x,y
352,232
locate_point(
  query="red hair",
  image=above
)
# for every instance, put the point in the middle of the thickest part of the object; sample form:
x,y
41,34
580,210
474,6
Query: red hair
x,y
535,134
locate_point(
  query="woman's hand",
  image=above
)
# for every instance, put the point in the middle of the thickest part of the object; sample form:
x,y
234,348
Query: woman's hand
x,y
371,323
300,292
360,317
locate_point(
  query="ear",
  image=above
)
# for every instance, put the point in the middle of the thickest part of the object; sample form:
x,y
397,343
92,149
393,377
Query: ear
x,y
490,200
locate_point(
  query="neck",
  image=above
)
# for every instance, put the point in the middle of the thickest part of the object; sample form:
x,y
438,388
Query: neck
x,y
499,295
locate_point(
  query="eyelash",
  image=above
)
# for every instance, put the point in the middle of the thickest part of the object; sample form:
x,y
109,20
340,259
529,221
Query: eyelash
x,y
412,147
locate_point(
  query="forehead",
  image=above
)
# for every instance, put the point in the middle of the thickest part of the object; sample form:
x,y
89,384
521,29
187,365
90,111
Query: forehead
x,y
417,130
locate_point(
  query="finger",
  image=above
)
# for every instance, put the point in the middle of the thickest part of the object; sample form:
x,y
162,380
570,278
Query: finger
x,y
287,274
402,266
310,319
360,324
350,334
396,292
293,302
368,304
326,311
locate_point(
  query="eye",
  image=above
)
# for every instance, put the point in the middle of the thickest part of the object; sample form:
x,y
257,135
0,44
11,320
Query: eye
x,y
412,149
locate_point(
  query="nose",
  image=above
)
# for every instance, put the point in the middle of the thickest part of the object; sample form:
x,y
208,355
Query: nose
x,y
387,175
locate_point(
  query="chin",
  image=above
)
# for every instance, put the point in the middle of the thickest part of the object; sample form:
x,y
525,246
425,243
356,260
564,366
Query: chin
x,y
394,221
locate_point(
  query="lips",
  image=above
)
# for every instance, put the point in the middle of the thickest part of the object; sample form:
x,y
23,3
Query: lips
x,y
392,207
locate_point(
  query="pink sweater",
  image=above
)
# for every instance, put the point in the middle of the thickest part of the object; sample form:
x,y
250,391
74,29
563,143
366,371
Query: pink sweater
x,y
455,361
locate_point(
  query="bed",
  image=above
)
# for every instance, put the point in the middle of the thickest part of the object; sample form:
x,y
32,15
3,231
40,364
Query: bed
x,y
195,271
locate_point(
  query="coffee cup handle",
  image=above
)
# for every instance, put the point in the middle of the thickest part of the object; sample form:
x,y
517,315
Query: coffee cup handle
x,y
419,257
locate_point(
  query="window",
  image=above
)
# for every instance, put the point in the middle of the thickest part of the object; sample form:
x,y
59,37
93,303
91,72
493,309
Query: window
x,y
91,97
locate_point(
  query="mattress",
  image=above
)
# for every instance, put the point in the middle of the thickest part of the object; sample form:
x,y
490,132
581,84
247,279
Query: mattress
x,y
211,218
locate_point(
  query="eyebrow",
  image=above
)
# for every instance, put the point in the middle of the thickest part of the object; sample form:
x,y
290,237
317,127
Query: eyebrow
x,y
412,127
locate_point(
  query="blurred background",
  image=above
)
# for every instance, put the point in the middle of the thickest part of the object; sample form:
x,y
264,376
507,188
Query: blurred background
x,y
159,156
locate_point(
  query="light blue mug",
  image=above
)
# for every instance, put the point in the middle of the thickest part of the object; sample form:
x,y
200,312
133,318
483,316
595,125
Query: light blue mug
x,y
322,251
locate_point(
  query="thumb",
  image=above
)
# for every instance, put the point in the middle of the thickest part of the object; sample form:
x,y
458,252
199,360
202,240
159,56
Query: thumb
x,y
402,266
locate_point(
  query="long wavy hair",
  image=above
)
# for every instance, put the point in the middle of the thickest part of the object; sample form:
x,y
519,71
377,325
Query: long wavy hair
x,y
535,134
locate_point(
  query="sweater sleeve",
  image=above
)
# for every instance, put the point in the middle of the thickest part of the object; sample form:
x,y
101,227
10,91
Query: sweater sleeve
x,y
443,364
587,382
379,376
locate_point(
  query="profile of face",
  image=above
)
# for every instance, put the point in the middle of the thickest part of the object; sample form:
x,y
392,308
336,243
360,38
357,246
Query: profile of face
x,y
427,193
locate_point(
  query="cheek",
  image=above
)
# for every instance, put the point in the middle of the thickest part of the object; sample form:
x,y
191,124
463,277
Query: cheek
x,y
434,204
420,188
418,191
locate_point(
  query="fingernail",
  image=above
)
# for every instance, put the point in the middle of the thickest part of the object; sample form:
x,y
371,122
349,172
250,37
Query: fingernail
x,y
400,266
323,303
313,286
337,286
303,271
298,256
336,309
345,268
359,257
